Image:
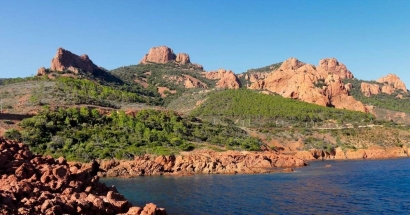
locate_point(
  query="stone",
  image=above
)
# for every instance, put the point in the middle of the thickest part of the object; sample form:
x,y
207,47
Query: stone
x,y
65,60
57,191
394,82
226,79
183,59
41,71
370,89
322,85
161,54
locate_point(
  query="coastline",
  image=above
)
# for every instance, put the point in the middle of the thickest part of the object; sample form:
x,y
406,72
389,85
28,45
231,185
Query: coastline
x,y
235,162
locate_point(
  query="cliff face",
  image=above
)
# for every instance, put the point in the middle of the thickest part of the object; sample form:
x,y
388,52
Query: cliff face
x,y
322,85
65,60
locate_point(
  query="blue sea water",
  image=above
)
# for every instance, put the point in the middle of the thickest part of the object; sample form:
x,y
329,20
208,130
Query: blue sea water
x,y
347,187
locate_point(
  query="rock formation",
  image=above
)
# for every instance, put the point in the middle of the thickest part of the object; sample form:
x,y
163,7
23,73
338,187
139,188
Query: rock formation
x,y
322,85
183,59
205,162
161,54
339,154
65,60
392,83
370,89
164,54
332,66
41,71
32,184
226,78
388,85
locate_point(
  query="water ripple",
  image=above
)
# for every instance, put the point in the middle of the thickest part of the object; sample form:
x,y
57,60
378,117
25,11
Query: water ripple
x,y
348,187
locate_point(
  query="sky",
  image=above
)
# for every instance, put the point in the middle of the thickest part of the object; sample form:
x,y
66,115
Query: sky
x,y
372,38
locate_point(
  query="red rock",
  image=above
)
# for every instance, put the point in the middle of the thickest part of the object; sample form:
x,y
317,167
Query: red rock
x,y
24,171
61,172
182,59
322,85
41,71
161,54
392,82
65,60
117,201
226,78
370,89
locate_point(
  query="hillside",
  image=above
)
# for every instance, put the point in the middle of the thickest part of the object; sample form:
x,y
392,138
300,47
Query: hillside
x,y
84,134
84,111
261,110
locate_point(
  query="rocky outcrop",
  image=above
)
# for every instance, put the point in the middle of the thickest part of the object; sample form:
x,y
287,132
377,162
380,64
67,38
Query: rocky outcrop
x,y
226,78
41,71
161,54
332,66
202,161
164,54
183,58
391,83
350,154
322,85
388,85
370,89
65,60
32,184
191,82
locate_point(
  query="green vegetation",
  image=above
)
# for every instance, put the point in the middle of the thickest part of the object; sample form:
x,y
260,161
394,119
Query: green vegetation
x,y
83,91
260,110
382,100
168,75
264,69
83,134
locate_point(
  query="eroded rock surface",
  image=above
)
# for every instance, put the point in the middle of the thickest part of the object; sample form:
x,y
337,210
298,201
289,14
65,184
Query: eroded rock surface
x,y
322,85
350,154
202,161
164,54
32,184
65,60
226,78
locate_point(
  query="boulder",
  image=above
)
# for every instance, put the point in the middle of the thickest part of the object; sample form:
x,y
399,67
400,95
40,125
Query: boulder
x,y
59,190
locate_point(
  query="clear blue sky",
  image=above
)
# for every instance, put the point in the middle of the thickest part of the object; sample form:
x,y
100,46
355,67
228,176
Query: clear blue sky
x,y
371,37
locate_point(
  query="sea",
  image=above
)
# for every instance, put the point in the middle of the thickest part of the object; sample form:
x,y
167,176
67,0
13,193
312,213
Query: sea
x,y
346,187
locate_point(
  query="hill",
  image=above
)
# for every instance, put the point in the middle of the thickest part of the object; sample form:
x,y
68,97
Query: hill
x,y
261,110
84,133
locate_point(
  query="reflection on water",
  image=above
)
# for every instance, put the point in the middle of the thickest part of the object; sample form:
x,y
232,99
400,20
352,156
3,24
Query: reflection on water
x,y
347,187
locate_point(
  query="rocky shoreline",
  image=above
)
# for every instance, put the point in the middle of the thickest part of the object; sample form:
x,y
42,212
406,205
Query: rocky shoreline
x,y
33,184
353,154
234,162
202,162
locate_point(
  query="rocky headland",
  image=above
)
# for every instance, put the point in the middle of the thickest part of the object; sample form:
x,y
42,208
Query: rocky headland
x,y
33,184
